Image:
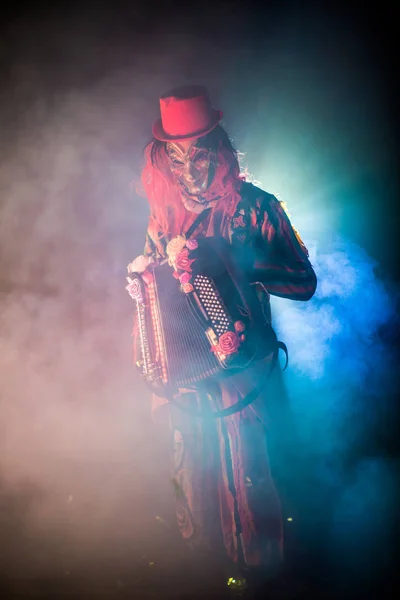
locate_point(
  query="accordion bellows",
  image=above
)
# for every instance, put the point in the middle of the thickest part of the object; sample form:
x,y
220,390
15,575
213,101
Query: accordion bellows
x,y
214,330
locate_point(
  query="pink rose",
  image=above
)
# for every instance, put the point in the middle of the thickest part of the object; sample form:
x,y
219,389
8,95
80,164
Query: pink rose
x,y
191,244
228,342
185,277
182,261
239,326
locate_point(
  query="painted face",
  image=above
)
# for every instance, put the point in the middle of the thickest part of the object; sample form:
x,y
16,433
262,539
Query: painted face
x,y
193,166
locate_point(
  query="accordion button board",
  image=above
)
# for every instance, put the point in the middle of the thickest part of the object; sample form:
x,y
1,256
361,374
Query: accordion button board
x,y
212,304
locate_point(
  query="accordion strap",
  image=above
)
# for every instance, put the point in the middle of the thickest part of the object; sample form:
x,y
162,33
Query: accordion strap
x,y
241,404
199,219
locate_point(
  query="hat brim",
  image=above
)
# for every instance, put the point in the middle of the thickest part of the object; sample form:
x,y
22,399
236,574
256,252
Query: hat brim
x,y
162,136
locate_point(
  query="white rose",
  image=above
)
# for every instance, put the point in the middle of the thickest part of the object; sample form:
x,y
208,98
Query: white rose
x,y
140,264
175,246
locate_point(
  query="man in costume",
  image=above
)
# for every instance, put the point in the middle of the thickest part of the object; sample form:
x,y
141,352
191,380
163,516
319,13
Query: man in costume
x,y
224,490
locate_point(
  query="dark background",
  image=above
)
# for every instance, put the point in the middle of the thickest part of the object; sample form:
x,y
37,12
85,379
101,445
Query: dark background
x,y
308,93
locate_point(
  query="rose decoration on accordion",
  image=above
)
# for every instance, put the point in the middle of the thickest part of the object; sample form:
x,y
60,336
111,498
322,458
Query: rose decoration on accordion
x,y
239,326
187,288
140,264
185,277
192,244
134,290
174,247
228,343
178,251
182,261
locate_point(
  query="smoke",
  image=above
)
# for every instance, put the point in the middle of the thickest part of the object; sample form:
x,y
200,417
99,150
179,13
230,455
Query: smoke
x,y
81,471
340,361
78,462
83,475
341,385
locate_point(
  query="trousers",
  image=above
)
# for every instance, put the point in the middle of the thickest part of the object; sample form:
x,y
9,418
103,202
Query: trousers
x,y
225,496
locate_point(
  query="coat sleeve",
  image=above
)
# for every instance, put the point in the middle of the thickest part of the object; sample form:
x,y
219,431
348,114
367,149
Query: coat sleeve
x,y
281,263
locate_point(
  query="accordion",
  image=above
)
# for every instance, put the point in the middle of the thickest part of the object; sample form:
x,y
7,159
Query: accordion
x,y
197,316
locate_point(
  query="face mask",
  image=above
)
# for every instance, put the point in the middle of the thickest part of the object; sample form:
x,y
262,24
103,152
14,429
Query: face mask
x,y
194,168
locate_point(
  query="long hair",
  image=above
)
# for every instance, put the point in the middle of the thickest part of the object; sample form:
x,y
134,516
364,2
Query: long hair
x,y
167,211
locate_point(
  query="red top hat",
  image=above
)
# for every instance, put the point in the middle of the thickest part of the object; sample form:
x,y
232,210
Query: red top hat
x,y
186,114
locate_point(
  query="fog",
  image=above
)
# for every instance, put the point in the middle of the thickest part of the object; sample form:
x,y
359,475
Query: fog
x,y
83,477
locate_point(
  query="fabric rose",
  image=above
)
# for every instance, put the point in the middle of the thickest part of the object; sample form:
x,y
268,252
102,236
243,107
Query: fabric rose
x,y
187,288
182,261
134,290
174,246
192,244
228,342
185,277
239,326
140,264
